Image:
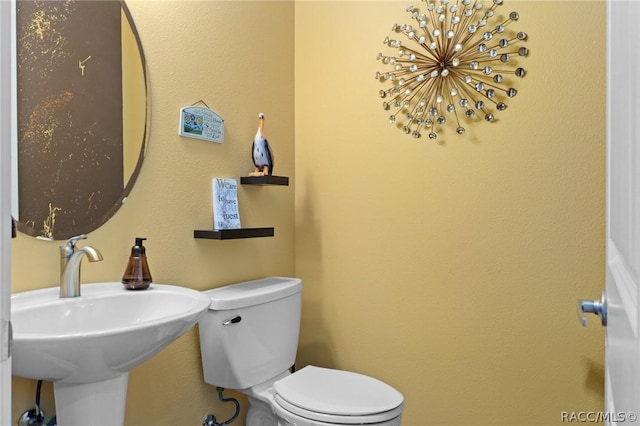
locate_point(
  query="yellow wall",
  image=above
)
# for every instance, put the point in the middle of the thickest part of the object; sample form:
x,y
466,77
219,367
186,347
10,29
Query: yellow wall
x,y
238,58
452,271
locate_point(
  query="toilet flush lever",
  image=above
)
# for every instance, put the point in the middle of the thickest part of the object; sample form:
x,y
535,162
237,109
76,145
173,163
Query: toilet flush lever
x,y
593,307
233,320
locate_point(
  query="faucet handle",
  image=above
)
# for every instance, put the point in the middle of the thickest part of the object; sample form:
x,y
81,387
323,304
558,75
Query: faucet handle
x,y
67,249
73,240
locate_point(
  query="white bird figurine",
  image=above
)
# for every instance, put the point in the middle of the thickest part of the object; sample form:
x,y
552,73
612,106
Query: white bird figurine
x,y
261,151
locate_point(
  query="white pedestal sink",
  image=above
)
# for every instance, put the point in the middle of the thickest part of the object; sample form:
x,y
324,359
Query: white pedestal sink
x,y
86,345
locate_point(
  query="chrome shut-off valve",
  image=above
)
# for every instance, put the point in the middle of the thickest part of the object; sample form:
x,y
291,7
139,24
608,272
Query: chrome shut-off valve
x,y
597,307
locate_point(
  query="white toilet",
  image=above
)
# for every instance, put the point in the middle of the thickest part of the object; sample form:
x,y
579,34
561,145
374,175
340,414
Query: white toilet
x,y
248,340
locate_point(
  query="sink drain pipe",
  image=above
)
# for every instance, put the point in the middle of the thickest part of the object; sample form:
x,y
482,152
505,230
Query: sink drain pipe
x,y
210,420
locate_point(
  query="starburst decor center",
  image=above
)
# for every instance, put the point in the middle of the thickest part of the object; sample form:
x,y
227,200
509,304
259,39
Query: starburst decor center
x,y
458,65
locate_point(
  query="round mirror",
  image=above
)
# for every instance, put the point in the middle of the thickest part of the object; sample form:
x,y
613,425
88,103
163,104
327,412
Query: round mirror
x,y
82,115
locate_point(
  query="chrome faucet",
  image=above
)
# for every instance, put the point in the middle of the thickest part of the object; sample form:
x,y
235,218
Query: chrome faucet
x,y
70,259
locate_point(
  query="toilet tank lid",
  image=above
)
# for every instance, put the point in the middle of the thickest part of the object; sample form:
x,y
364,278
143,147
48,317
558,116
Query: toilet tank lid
x,y
251,293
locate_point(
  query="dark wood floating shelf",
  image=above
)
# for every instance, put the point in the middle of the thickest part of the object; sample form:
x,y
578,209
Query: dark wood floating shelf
x,y
231,234
264,180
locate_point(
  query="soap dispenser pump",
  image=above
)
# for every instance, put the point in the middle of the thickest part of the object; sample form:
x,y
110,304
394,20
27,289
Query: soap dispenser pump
x,y
137,275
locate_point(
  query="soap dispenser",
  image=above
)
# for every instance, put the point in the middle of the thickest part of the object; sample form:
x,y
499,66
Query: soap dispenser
x,y
137,275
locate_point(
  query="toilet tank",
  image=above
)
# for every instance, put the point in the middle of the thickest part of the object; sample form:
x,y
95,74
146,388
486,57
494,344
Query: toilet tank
x,y
250,332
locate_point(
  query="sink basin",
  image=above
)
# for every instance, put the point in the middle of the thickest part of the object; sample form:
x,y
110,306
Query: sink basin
x,y
88,343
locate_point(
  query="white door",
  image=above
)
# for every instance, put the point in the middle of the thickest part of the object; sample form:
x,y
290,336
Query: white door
x,y
622,347
6,8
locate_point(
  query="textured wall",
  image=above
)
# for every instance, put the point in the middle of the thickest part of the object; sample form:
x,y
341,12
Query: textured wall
x,y
238,58
452,271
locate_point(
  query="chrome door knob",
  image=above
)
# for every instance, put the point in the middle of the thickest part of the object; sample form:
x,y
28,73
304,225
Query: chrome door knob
x,y
597,307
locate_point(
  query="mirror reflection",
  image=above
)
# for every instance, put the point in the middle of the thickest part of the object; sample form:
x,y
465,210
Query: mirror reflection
x,y
81,121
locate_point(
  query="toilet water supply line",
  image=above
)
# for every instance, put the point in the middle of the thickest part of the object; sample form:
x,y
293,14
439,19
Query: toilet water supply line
x,y
210,420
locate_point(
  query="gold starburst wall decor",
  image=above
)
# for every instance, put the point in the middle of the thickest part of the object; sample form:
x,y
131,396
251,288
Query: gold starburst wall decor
x,y
457,64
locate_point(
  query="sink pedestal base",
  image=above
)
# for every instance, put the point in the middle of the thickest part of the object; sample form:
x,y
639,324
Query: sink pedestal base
x,y
100,403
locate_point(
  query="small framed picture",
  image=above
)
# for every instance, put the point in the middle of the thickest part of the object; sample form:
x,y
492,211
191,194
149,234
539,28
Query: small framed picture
x,y
201,123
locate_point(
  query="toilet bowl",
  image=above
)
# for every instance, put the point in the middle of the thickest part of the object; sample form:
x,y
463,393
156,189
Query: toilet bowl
x,y
325,396
248,341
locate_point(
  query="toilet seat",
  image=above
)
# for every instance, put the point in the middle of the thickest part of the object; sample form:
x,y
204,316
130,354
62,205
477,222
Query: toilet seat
x,y
335,396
